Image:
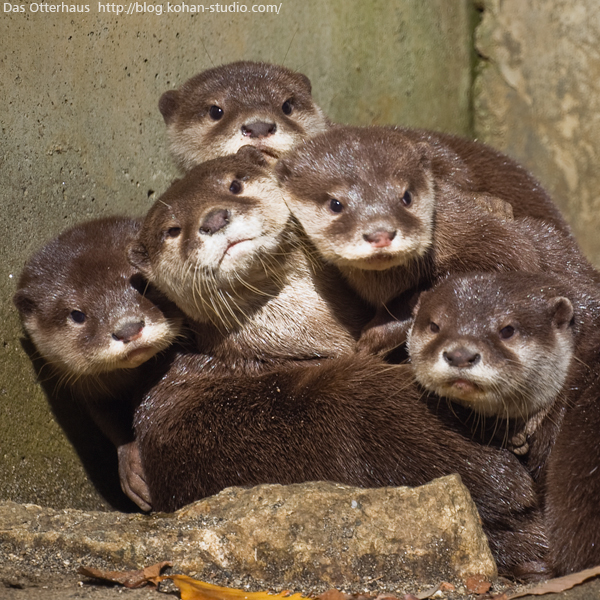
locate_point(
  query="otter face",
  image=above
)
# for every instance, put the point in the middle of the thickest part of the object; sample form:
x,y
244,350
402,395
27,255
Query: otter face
x,y
243,103
222,228
364,196
494,343
85,307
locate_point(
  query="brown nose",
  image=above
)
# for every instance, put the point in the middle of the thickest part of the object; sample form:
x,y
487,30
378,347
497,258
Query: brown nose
x,y
129,332
462,358
259,129
214,221
380,239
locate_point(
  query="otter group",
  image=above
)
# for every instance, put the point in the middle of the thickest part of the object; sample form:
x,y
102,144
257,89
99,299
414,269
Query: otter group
x,y
294,307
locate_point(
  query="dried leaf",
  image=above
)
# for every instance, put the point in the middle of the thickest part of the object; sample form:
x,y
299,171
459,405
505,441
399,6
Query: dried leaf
x,y
192,589
130,579
560,584
334,594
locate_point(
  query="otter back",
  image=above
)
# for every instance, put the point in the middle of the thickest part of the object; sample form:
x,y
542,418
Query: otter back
x,y
352,420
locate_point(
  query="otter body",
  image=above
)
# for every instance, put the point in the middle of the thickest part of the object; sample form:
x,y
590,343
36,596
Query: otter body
x,y
221,109
95,322
352,420
523,348
395,210
222,245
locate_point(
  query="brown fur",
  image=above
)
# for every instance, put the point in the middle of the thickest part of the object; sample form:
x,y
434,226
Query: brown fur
x,y
353,420
273,300
262,104
559,430
388,251
84,274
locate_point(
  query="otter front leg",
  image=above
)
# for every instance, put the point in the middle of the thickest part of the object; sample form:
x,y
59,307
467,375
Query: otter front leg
x,y
388,329
131,475
383,333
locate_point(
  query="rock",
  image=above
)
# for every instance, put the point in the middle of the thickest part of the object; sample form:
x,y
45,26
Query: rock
x,y
308,537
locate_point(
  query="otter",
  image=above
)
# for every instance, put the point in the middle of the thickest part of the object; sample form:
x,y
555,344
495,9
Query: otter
x,y
222,245
396,209
100,327
523,347
219,110
352,419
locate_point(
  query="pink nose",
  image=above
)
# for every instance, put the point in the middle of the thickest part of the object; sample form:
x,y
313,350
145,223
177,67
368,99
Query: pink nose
x,y
380,239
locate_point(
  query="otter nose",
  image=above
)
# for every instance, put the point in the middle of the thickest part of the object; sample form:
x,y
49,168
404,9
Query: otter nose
x,y
214,221
380,238
259,129
462,357
129,331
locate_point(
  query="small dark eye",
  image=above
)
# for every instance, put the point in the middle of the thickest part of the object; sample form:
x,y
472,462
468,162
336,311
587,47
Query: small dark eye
x,y
434,327
336,206
235,187
78,316
287,107
215,112
507,332
407,198
173,232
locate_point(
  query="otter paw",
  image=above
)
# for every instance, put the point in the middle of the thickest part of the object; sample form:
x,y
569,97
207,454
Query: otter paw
x,y
131,475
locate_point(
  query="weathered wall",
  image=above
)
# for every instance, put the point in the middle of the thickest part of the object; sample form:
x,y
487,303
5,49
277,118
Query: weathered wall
x,y
82,137
538,98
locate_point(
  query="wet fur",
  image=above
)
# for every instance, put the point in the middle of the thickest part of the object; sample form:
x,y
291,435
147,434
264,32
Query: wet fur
x,y
276,300
561,437
247,92
353,420
456,219
86,269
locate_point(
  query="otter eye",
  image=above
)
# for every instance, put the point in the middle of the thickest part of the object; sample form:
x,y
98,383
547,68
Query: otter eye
x,y
235,187
77,316
287,107
507,332
336,206
173,232
215,112
407,198
434,327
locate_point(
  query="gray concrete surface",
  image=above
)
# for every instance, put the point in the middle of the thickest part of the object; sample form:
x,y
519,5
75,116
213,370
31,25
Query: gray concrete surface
x,y
538,99
82,137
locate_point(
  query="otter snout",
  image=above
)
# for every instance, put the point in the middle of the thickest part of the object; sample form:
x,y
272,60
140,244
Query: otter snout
x,y
129,331
259,129
214,221
461,357
380,238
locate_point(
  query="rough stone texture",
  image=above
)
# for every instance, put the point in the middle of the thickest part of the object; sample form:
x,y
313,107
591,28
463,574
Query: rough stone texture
x,y
82,137
310,537
538,99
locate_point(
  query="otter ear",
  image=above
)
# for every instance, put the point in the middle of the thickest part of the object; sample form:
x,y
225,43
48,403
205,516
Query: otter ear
x,y
24,303
424,151
562,312
253,154
139,258
305,82
168,105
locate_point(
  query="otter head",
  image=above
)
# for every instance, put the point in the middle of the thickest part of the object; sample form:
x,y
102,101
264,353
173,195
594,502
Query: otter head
x,y
221,109
215,236
365,196
86,309
500,344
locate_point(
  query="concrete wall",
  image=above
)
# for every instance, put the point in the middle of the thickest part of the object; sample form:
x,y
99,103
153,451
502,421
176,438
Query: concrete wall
x,y
537,97
82,137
